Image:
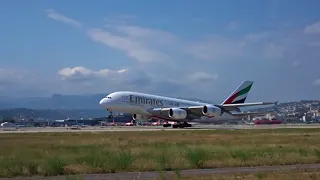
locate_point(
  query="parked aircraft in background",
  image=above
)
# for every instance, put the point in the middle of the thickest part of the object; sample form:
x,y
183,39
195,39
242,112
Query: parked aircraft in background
x,y
146,106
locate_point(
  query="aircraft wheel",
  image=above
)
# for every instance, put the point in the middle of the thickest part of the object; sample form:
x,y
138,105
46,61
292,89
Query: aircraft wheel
x,y
183,125
175,126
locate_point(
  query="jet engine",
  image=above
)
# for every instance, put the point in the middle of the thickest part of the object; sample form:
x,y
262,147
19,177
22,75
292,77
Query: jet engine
x,y
211,111
177,113
140,117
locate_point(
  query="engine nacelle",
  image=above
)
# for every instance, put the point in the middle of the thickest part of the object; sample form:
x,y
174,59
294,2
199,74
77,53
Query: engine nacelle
x,y
211,111
177,113
140,117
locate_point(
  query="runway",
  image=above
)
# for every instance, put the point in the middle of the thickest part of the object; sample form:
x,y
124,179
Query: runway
x,y
191,172
150,128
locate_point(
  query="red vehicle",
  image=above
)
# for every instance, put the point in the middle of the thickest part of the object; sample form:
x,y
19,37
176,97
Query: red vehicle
x,y
129,123
267,121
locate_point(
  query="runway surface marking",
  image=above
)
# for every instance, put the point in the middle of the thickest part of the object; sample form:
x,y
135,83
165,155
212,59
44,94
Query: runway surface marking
x,y
154,174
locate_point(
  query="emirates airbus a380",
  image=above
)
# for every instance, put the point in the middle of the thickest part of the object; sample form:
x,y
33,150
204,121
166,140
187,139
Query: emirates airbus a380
x,y
146,106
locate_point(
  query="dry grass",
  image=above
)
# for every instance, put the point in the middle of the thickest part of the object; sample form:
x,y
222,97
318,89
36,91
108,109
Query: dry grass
x,y
280,175
286,175
72,153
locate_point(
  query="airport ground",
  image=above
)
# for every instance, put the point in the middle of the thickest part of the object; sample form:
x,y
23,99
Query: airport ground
x,y
149,128
251,173
101,151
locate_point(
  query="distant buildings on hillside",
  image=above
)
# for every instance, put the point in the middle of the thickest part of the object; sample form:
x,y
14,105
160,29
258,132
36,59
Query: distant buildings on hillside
x,y
302,111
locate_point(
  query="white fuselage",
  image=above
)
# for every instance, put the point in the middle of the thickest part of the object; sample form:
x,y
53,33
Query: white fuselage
x,y
140,103
134,102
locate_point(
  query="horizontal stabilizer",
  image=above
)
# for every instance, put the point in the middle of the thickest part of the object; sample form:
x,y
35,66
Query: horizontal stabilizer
x,y
249,104
251,113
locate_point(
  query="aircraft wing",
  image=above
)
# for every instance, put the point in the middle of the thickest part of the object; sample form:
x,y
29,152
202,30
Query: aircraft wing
x,y
195,112
162,113
235,107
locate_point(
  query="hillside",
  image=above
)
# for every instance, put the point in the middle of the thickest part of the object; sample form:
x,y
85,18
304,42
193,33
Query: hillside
x,y
52,114
58,101
92,111
295,107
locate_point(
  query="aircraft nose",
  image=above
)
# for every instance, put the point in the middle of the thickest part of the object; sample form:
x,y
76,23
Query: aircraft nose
x,y
103,101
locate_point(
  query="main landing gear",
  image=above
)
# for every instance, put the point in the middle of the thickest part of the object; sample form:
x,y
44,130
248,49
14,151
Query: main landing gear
x,y
178,125
166,125
110,116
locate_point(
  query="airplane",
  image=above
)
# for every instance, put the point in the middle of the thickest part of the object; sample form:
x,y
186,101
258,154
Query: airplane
x,y
146,106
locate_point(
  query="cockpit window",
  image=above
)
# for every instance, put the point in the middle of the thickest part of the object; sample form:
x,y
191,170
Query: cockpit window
x,y
108,97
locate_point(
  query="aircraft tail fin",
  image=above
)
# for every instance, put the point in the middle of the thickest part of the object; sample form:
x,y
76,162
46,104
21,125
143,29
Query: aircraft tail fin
x,y
240,94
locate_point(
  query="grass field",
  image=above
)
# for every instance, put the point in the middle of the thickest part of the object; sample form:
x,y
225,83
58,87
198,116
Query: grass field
x,y
69,153
285,175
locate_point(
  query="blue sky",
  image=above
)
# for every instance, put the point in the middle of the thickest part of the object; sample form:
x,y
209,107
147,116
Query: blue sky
x,y
173,48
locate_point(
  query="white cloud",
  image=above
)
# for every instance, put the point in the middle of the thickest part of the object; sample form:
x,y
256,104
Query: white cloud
x,y
184,55
202,77
10,75
317,82
120,19
21,82
312,28
59,17
274,51
80,73
254,37
154,45
82,80
150,45
132,47
140,32
141,44
217,48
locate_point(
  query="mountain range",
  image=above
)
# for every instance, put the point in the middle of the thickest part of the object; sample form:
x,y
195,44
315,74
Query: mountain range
x,y
60,106
59,101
